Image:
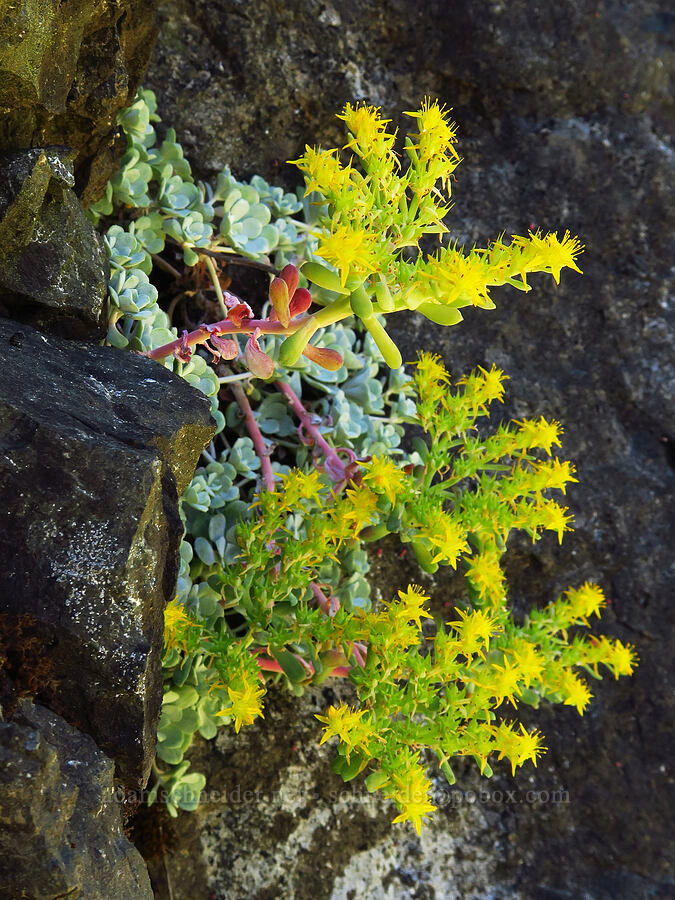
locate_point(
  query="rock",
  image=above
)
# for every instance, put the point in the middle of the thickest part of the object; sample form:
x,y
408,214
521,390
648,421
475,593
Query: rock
x,y
53,268
65,72
250,85
61,817
96,446
565,120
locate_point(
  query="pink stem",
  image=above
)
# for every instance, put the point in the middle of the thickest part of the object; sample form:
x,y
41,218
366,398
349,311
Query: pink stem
x,y
256,436
224,326
334,465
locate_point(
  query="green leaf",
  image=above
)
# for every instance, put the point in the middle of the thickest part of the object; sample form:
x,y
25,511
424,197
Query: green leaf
x,y
169,754
170,738
204,551
376,780
441,315
293,668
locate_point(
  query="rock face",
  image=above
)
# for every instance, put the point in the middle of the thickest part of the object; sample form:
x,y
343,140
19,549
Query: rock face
x,y
62,831
565,120
96,446
250,85
66,69
53,268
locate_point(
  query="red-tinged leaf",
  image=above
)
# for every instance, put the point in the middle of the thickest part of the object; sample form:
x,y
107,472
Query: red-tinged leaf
x,y
279,299
301,302
226,347
291,276
239,314
324,357
258,362
184,351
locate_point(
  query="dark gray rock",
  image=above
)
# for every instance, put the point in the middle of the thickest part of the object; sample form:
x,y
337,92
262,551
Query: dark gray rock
x,y
250,84
66,69
53,268
565,115
60,816
96,446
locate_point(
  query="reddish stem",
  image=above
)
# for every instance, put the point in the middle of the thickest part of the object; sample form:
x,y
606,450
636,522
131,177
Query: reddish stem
x,y
224,326
256,435
333,464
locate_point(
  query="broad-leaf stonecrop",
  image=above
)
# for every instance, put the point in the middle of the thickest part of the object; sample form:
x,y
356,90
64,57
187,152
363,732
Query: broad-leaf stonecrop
x,y
307,471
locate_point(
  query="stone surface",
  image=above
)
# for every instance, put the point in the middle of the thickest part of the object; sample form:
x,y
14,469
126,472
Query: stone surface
x,y
61,820
96,446
565,115
66,69
250,84
53,268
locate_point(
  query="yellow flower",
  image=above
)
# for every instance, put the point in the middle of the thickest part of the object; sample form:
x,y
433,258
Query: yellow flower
x,y
585,601
475,626
411,608
299,485
552,517
435,135
414,811
358,508
369,130
555,475
245,706
502,681
529,662
486,575
518,747
430,369
349,248
176,625
620,658
442,532
385,476
412,794
493,383
538,434
454,277
554,254
323,171
575,691
344,722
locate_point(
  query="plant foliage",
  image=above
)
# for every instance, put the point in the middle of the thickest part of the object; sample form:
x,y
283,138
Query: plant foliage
x,y
308,468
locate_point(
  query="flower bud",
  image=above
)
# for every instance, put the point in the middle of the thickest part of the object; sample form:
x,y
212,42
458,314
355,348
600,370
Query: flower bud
x,y
279,295
258,362
291,276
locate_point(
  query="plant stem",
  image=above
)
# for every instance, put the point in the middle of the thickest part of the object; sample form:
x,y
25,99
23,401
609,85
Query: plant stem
x,y
338,309
228,379
216,285
256,436
333,462
225,326
167,267
231,260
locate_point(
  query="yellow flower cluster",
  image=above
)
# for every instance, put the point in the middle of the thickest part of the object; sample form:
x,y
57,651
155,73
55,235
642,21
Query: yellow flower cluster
x,y
410,791
178,627
244,705
349,725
